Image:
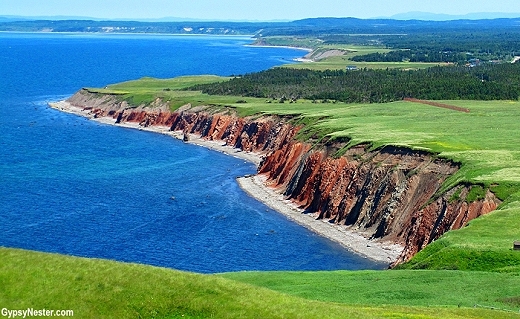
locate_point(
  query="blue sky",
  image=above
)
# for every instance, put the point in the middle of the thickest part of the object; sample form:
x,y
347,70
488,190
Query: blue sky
x,y
247,9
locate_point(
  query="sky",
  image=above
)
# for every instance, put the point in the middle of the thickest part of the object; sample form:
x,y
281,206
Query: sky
x,y
261,10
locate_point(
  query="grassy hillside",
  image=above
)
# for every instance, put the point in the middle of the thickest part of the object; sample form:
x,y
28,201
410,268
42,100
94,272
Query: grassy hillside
x,y
421,288
483,140
485,244
106,289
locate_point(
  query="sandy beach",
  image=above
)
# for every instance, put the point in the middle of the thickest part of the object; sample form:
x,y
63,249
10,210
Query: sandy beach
x,y
351,240
255,187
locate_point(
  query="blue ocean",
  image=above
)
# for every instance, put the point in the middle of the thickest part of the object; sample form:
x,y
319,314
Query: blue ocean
x,y
73,186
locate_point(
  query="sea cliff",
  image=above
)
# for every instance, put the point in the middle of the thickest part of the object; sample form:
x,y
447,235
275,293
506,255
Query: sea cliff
x,y
390,196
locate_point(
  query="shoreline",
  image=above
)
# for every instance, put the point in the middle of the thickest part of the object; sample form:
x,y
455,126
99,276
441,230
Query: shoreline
x,y
279,46
195,139
255,187
351,240
131,33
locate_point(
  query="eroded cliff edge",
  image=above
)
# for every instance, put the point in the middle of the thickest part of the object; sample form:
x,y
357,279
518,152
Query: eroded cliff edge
x,y
390,194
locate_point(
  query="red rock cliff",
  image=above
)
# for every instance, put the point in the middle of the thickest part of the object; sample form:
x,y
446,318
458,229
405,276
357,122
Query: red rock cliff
x,y
388,194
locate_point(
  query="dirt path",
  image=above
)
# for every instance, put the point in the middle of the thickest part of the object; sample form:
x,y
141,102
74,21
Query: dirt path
x,y
445,106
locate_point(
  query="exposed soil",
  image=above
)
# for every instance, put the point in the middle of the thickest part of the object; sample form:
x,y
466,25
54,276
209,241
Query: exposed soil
x,y
445,106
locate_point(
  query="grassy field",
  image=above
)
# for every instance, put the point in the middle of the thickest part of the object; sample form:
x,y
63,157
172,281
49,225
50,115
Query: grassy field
x,y
340,63
483,140
421,288
95,288
147,89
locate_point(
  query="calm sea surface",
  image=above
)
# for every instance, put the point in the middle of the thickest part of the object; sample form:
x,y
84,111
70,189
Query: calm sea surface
x,y
73,186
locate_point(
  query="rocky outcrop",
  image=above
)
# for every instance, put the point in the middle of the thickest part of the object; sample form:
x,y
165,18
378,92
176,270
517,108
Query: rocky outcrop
x,y
107,105
390,194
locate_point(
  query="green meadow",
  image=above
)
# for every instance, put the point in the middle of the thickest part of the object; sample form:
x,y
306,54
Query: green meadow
x,y
468,273
95,288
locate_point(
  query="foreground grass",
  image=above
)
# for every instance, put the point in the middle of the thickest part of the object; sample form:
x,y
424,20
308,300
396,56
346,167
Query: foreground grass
x,y
95,288
397,287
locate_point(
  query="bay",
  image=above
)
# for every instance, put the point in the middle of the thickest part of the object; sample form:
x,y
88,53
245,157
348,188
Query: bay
x,y
77,187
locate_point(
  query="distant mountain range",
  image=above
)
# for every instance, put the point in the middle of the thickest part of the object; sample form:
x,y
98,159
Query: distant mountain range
x,y
405,23
414,15
417,15
8,18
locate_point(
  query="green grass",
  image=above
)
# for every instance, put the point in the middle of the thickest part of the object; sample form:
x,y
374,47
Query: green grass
x,y
340,63
486,244
484,140
146,90
95,288
177,83
421,288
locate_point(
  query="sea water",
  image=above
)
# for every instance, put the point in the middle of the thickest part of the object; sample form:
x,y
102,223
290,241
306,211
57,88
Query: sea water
x,y
73,186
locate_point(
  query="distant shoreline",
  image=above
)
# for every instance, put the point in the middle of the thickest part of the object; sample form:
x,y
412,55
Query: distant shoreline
x,y
279,46
134,33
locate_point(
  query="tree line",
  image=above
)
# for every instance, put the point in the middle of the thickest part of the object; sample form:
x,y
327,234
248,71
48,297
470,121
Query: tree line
x,y
452,45
488,82
413,56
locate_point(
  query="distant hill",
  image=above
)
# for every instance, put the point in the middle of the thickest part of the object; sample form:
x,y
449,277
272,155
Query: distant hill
x,y
49,18
304,27
417,15
84,18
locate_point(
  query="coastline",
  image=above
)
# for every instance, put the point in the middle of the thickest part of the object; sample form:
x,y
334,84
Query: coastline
x,y
279,46
351,240
255,187
301,59
195,139
248,36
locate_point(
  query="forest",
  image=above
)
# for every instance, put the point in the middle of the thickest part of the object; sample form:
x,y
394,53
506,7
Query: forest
x,y
486,82
456,46
414,56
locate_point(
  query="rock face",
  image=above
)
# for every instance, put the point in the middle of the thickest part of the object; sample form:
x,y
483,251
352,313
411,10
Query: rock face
x,y
390,194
